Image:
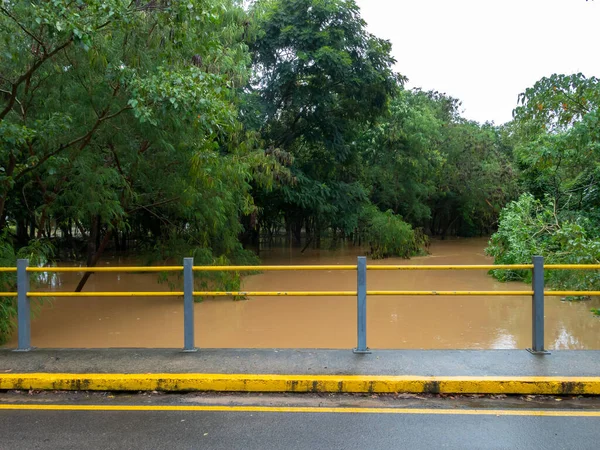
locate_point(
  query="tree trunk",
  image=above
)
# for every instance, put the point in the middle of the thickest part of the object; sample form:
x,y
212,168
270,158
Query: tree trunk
x,y
22,236
92,239
317,235
12,163
447,228
94,260
297,229
117,242
288,233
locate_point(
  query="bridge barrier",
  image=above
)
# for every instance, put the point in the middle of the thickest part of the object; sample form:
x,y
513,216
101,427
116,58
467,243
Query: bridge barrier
x,y
537,292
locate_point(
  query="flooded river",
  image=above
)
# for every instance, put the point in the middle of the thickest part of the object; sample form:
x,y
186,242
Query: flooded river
x,y
318,322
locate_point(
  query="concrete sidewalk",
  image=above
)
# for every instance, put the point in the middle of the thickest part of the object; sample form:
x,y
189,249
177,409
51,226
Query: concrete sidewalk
x,y
449,371
585,363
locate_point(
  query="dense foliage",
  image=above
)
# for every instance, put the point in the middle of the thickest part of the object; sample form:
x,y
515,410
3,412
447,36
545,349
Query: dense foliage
x,y
388,235
556,131
171,128
119,124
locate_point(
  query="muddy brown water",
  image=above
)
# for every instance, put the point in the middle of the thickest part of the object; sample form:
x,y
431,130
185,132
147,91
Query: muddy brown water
x,y
501,322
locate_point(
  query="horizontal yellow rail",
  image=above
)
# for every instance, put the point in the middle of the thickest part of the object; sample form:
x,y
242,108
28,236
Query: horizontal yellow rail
x,y
269,268
106,269
453,267
353,293
8,294
453,293
299,293
279,294
314,267
572,266
104,294
572,293
353,267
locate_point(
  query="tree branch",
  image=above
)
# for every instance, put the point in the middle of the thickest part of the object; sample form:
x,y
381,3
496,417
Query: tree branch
x,y
26,75
84,139
25,30
16,100
162,202
103,118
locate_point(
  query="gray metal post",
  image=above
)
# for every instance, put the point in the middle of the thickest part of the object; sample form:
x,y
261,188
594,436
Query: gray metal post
x,y
23,307
361,299
188,305
537,319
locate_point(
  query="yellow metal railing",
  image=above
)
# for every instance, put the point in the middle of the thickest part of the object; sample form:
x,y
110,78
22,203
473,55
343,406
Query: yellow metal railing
x,y
571,293
354,293
106,294
452,267
537,293
305,268
299,293
270,268
572,266
106,269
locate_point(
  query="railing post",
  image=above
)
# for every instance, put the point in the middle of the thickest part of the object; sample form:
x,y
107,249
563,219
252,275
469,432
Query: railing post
x,y
361,300
188,305
23,307
537,319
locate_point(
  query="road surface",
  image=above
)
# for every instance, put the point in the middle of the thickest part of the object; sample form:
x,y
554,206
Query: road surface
x,y
94,421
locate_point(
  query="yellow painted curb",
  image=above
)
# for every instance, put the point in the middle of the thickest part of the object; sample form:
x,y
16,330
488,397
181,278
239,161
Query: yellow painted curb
x,y
302,383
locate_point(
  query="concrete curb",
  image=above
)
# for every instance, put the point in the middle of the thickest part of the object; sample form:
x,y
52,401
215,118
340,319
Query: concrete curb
x,y
302,383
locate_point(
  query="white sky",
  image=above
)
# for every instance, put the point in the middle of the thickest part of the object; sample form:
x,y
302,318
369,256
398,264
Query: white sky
x,y
486,52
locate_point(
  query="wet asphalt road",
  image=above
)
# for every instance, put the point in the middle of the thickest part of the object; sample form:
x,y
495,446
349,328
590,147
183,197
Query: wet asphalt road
x,y
291,431
419,425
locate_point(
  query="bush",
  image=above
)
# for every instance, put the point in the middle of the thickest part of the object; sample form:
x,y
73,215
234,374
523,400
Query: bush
x,y
388,235
531,227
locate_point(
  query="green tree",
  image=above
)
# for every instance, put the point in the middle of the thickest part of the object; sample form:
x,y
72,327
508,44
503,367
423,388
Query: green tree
x,y
475,181
321,78
120,119
402,153
437,170
557,126
120,116
557,133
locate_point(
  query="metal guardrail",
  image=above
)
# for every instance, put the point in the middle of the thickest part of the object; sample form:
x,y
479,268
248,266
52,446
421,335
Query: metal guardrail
x,y
537,293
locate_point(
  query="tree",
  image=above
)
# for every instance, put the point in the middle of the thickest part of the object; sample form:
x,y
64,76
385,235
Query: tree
x,y
402,153
119,119
437,170
557,129
110,106
321,79
557,133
